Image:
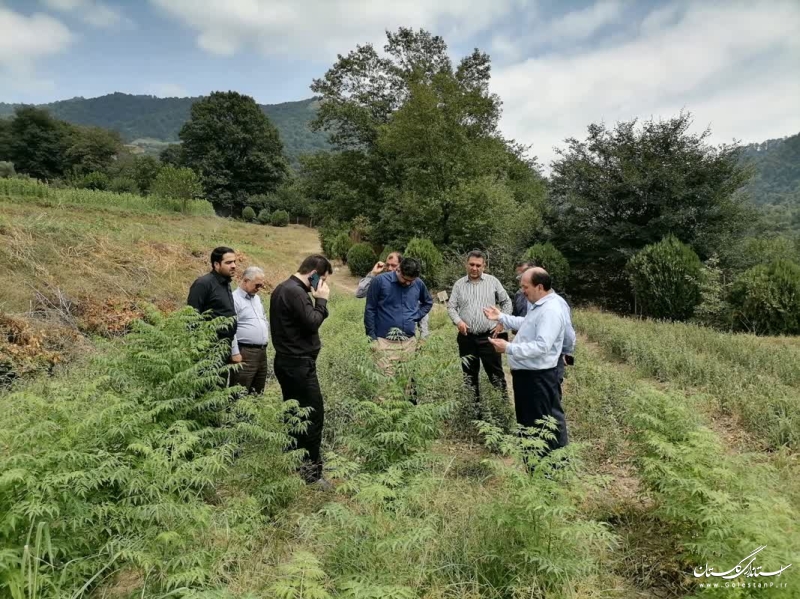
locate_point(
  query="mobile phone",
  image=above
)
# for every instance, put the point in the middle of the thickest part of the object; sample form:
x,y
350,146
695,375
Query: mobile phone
x,y
313,280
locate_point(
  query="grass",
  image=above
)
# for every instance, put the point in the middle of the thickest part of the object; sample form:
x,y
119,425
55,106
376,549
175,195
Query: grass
x,y
33,193
746,376
125,477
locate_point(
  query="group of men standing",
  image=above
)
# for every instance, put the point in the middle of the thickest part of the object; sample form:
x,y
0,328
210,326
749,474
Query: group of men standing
x,y
484,314
398,303
298,307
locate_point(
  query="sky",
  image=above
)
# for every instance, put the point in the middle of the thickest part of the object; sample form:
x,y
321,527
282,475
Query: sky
x,y
557,65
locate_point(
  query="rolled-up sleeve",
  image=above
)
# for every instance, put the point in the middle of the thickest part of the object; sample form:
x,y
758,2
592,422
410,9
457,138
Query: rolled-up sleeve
x,y
363,286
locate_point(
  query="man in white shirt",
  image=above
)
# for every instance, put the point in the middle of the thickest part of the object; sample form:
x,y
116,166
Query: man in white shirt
x,y
252,332
534,354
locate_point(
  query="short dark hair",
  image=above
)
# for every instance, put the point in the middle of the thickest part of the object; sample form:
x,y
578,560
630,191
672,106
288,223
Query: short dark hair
x,y
409,267
521,263
477,254
218,253
543,278
316,263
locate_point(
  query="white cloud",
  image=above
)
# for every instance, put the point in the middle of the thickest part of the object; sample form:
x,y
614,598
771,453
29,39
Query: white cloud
x,y
93,12
169,90
24,40
580,24
735,66
319,29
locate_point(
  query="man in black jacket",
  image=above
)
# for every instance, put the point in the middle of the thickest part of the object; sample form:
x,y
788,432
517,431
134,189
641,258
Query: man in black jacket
x,y
212,293
295,320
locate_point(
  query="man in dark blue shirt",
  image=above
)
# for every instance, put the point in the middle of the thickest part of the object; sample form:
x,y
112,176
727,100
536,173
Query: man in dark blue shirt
x,y
396,302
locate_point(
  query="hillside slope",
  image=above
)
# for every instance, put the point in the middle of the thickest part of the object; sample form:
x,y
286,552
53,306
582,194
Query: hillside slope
x,y
142,117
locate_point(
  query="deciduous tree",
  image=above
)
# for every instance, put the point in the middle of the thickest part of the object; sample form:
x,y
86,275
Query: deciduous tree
x,y
235,148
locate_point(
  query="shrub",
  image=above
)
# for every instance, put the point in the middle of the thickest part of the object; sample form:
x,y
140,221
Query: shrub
x,y
279,218
94,180
180,183
665,277
760,250
263,216
548,257
6,169
123,185
429,257
765,300
249,214
340,246
361,259
328,231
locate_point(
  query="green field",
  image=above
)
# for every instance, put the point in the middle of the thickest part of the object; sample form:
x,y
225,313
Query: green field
x,y
122,475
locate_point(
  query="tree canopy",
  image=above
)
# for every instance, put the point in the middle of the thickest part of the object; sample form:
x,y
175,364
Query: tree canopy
x,y
420,154
234,147
624,188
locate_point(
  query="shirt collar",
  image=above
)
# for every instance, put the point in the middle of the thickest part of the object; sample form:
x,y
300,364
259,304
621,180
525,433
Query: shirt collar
x,y
302,284
220,279
243,293
545,299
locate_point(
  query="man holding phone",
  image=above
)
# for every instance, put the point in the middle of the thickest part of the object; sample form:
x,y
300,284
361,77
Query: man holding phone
x,y
295,320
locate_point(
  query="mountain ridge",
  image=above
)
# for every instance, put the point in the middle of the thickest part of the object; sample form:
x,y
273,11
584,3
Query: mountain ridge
x,y
142,116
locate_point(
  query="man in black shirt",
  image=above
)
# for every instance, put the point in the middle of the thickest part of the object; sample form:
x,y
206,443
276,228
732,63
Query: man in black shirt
x,y
212,292
295,320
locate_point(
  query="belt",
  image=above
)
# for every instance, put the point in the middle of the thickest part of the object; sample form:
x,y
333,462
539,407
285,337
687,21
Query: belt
x,y
253,345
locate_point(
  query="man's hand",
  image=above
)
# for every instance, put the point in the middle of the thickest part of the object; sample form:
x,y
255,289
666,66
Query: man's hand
x,y
492,313
322,291
500,345
497,330
462,328
236,359
377,269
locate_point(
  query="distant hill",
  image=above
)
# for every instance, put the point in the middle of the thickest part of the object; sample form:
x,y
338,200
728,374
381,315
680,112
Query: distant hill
x,y
160,119
777,163
776,184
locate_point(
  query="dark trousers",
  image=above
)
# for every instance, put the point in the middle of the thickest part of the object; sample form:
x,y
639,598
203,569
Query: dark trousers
x,y
477,350
297,377
537,393
254,371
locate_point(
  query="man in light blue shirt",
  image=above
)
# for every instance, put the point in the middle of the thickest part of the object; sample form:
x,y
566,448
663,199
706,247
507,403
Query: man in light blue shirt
x,y
252,332
534,353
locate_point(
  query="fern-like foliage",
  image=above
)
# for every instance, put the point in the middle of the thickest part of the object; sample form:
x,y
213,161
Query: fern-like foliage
x,y
115,463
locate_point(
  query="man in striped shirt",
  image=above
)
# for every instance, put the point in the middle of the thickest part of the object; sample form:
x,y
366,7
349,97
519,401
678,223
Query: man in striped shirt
x,y
471,294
